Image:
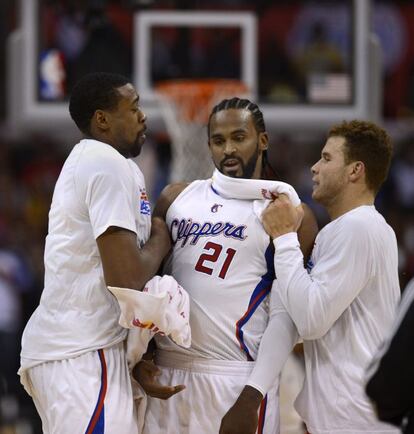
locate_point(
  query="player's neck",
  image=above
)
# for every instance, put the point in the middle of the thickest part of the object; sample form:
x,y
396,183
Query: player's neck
x,y
348,201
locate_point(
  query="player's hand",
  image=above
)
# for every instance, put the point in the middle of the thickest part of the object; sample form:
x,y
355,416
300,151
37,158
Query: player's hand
x,y
281,217
243,418
146,373
159,230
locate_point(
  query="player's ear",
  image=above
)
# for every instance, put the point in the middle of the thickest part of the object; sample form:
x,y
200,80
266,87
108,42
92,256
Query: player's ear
x,y
263,141
100,117
357,170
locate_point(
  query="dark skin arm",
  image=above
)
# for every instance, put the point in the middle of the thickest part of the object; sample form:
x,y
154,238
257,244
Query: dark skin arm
x,y
146,372
124,264
167,197
307,232
242,418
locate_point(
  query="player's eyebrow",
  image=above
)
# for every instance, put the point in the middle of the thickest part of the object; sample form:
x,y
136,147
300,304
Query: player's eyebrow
x,y
325,154
239,131
216,135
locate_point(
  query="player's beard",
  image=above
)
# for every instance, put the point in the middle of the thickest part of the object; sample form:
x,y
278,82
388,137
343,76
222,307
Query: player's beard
x,y
134,149
247,169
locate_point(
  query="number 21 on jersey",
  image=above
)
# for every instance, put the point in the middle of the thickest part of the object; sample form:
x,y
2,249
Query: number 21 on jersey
x,y
210,258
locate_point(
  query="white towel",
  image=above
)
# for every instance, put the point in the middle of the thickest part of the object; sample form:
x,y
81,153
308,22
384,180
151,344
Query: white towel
x,y
241,188
162,307
261,191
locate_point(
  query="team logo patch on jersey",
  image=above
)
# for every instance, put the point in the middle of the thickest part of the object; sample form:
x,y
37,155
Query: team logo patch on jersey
x,y
215,207
145,207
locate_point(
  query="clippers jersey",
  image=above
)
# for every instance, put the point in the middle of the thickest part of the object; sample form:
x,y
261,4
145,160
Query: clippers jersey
x,y
223,258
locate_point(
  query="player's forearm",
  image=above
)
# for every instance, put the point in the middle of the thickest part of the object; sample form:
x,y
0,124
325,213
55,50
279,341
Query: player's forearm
x,y
154,251
294,285
135,268
151,255
134,272
316,301
250,397
125,265
276,344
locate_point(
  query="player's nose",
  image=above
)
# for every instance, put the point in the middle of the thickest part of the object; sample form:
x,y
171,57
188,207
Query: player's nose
x,y
314,168
142,117
229,148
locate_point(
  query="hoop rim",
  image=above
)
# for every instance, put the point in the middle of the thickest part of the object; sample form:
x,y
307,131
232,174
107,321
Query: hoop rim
x,y
191,99
203,85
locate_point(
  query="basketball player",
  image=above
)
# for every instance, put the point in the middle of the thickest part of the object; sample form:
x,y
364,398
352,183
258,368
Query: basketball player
x,y
223,257
73,361
390,375
345,307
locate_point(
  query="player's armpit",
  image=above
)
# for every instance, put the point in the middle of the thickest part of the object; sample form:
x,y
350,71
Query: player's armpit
x,y
167,197
307,232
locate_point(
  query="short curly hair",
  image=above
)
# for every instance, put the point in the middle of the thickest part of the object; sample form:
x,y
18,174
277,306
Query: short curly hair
x,y
96,91
369,143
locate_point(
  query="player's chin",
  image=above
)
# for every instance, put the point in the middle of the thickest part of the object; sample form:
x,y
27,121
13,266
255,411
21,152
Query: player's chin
x,y
234,172
140,139
136,149
316,194
231,174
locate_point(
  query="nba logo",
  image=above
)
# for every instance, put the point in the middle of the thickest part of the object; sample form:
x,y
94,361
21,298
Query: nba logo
x,y
52,75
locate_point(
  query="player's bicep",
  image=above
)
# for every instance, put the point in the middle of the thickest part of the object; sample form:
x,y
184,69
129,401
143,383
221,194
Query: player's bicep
x,y
120,257
307,232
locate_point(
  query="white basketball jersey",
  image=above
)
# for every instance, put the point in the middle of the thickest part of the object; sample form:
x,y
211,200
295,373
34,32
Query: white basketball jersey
x,y
223,258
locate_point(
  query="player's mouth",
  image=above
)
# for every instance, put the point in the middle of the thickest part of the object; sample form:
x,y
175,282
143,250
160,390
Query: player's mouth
x,y
315,184
231,165
142,136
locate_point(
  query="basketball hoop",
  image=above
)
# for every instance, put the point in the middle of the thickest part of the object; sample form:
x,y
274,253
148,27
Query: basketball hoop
x,y
185,106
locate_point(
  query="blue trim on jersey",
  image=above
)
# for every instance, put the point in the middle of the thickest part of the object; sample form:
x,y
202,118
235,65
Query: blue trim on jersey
x,y
259,294
215,191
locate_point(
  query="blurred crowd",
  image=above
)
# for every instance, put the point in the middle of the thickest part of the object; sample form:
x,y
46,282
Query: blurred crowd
x,y
28,171
303,47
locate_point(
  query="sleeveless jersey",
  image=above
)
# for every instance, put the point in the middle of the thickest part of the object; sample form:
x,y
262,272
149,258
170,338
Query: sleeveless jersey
x,y
223,258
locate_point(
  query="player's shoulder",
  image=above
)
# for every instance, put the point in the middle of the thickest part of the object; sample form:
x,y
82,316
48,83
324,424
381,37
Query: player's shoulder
x,y
168,196
99,156
362,227
364,217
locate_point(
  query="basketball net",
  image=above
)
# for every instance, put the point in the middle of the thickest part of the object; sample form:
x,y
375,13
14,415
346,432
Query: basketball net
x,y
185,106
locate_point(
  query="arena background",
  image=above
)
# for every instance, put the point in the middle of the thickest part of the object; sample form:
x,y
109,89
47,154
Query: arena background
x,y
310,63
